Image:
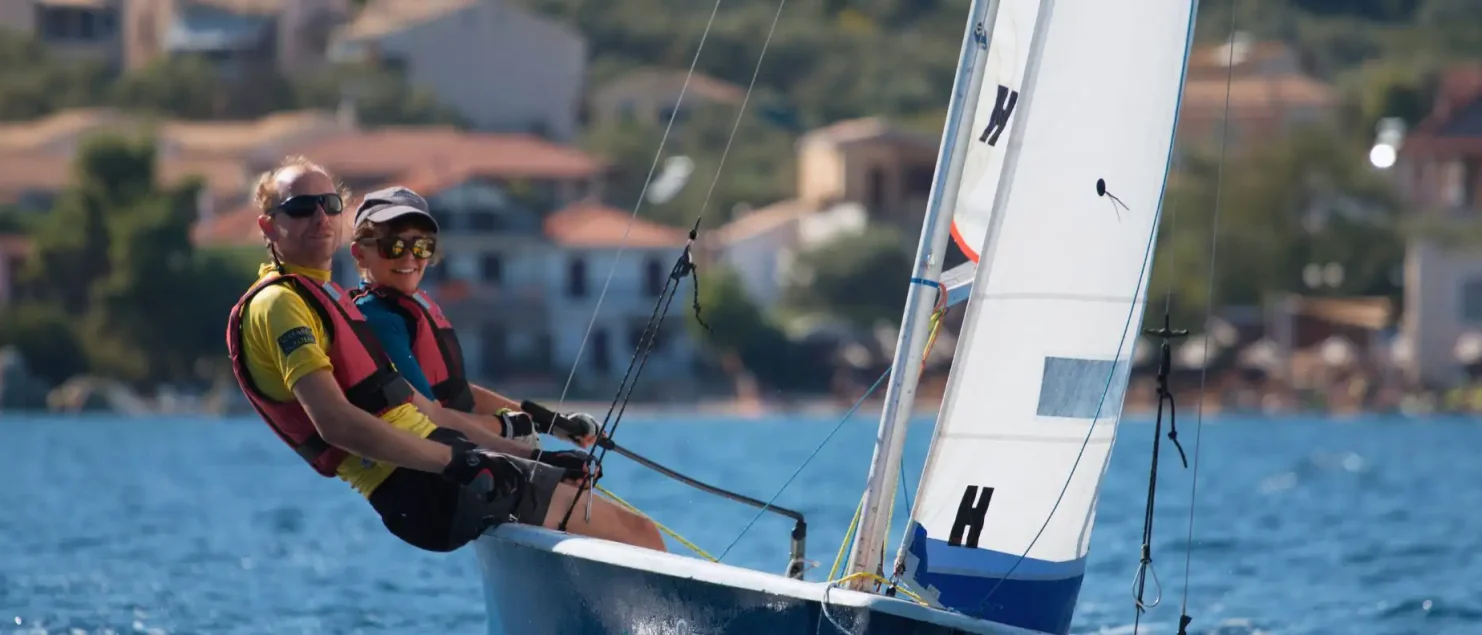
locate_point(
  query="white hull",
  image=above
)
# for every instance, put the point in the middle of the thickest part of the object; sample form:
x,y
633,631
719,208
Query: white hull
x,y
542,581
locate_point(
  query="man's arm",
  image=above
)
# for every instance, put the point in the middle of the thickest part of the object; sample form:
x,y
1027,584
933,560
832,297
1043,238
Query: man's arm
x,y
295,339
488,402
486,432
362,433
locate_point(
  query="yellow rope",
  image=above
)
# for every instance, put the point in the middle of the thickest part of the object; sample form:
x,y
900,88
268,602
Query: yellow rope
x,y
693,547
839,559
931,338
879,580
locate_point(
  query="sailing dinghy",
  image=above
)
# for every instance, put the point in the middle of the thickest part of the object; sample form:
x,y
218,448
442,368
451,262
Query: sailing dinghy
x,y
1050,175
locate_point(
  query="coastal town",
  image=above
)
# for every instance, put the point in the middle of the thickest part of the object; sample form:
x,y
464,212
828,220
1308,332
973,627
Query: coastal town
x,y
1346,280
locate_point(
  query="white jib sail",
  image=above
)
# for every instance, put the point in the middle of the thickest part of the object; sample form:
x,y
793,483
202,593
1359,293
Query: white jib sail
x,y
1007,499
993,122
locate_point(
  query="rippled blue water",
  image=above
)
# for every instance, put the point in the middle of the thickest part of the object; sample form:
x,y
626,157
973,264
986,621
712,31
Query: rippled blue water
x,y
181,526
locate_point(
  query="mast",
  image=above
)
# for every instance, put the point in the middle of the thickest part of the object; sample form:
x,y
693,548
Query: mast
x,y
921,298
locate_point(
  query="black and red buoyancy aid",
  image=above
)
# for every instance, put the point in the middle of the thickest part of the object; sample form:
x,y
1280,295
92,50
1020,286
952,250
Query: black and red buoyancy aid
x,y
361,368
434,345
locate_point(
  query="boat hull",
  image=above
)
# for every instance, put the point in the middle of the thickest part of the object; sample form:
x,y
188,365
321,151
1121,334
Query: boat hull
x,y
541,581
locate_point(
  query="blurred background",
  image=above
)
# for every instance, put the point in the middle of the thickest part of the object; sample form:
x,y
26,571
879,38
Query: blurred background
x,y
1343,351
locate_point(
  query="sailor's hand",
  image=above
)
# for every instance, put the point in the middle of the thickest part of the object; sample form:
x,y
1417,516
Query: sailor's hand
x,y
489,473
519,427
579,428
578,464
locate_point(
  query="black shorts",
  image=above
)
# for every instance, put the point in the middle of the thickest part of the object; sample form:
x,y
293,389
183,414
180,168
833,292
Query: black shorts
x,y
430,512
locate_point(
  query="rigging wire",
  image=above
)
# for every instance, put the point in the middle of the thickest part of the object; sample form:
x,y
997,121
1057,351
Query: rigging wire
x,y
740,114
1165,395
685,266
1184,619
623,243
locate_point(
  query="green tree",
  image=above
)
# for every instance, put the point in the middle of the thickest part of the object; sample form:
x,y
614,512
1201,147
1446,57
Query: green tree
x,y
47,339
1310,198
739,329
1391,87
859,277
32,84
115,258
381,97
758,169
187,87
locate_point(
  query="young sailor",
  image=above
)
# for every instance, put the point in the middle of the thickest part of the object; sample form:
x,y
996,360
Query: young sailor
x,y
306,359
395,240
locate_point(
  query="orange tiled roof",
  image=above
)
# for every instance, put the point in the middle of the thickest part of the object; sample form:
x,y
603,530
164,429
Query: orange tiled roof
x,y
241,137
380,17
23,172
1248,93
1214,58
391,151
1461,86
592,224
15,245
248,7
20,173
22,136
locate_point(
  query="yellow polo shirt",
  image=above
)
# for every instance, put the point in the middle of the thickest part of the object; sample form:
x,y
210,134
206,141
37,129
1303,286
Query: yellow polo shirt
x,y
283,340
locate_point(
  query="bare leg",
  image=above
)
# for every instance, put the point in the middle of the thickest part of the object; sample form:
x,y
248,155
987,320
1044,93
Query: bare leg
x,y
609,521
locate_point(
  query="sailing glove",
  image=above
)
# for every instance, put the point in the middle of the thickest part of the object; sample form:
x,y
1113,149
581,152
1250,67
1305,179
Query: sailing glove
x,y
578,464
579,428
519,427
490,474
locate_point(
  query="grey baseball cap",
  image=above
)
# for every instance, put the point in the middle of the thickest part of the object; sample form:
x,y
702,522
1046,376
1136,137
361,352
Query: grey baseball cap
x,y
392,202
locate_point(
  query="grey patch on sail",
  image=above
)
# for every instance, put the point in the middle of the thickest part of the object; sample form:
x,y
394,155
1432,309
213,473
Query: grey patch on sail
x,y
1073,388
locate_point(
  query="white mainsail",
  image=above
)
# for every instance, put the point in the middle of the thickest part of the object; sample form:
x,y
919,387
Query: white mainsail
x,y
993,123
1007,498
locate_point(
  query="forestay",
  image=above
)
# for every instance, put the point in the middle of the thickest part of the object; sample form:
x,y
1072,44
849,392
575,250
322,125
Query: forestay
x,y
998,100
1007,499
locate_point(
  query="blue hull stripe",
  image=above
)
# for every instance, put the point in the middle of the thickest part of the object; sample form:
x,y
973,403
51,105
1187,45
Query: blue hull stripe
x,y
1040,596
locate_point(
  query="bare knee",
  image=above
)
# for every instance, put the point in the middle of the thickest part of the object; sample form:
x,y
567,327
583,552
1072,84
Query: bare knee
x,y
609,520
641,528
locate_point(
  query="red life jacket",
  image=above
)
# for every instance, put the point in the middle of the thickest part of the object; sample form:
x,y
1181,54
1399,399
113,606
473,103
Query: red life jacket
x,y
361,368
434,344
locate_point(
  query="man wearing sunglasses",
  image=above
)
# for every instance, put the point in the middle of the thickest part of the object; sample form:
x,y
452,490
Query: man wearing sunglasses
x,y
395,241
308,361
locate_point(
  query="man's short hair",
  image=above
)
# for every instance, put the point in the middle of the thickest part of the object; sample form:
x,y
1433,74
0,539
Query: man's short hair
x,y
265,192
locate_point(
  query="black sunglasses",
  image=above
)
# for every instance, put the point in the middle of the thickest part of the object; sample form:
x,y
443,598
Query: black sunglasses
x,y
393,247
304,205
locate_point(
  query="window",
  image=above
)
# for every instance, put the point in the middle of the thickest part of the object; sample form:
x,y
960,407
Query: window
x,y
653,277
482,220
601,360
496,360
1470,302
493,269
877,189
918,180
545,351
1453,184
446,219
635,337
576,278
